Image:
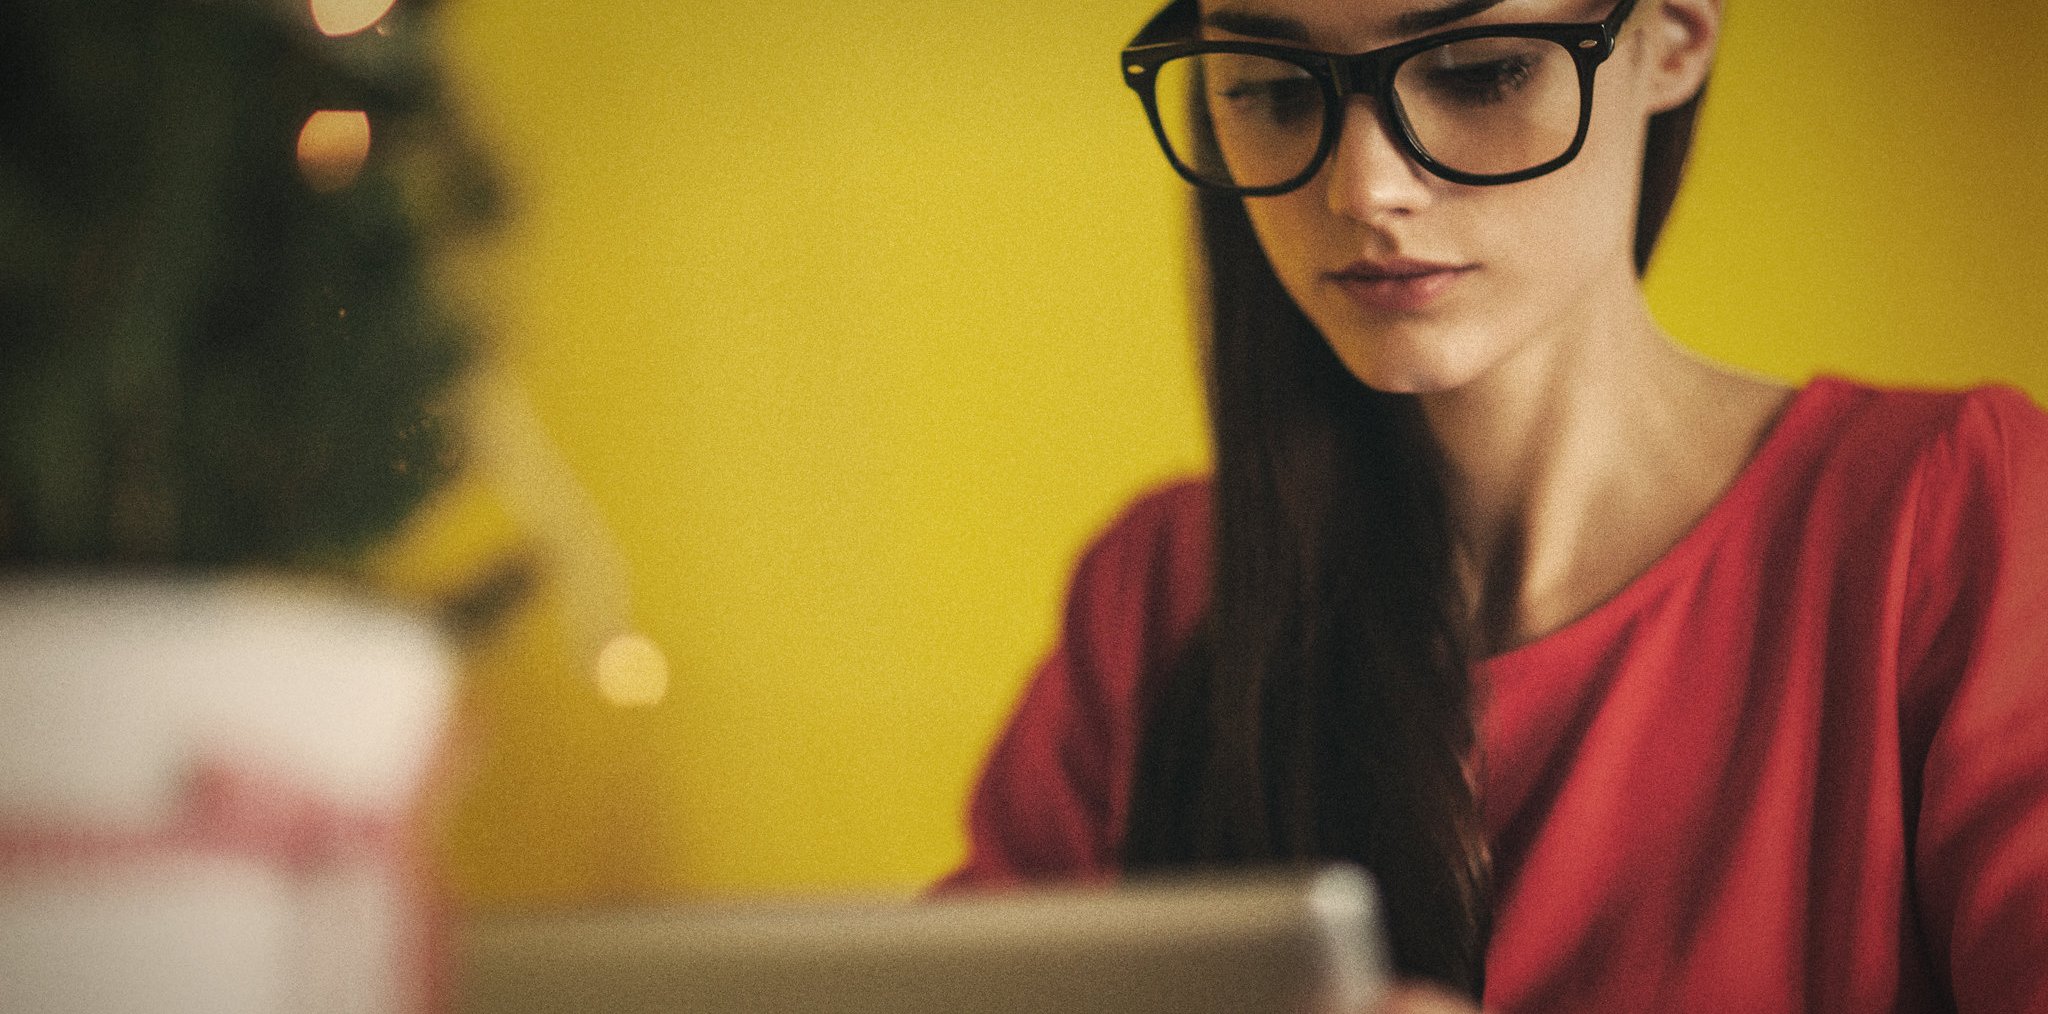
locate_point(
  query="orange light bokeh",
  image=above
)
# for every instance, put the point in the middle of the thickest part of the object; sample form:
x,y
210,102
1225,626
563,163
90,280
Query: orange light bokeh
x,y
632,671
333,146
347,17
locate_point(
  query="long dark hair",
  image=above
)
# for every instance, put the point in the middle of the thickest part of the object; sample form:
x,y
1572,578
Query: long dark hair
x,y
1323,709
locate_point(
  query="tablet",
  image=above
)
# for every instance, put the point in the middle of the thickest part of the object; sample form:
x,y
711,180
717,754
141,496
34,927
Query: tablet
x,y
1280,943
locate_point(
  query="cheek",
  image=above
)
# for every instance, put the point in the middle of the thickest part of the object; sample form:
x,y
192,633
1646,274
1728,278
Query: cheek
x,y
1291,230
1614,144
1583,215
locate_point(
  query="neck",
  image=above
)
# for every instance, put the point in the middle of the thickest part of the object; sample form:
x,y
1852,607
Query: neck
x,y
1573,465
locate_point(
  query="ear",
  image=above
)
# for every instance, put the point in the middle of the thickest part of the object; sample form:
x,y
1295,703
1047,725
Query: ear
x,y
1679,39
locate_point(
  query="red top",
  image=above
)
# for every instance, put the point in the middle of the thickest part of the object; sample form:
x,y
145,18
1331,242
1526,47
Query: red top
x,y
1800,764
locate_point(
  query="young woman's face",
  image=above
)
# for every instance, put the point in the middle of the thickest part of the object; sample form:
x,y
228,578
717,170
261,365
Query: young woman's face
x,y
1421,284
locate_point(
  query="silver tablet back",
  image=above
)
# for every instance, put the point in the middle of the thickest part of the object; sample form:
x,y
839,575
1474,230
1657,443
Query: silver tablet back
x,y
1303,943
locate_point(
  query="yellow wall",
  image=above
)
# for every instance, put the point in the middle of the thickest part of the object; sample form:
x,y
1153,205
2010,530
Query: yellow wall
x,y
855,319
1868,194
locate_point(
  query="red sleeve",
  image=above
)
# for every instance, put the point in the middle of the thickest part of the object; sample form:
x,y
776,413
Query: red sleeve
x,y
1050,802
1981,568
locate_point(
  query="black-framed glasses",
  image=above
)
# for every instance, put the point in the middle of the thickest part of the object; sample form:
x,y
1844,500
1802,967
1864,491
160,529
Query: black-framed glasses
x,y
1482,105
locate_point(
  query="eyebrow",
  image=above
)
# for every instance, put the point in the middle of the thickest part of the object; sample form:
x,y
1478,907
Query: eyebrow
x,y
1269,26
1417,22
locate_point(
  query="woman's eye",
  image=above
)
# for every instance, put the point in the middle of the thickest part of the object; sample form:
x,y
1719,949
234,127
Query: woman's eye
x,y
1481,83
1278,100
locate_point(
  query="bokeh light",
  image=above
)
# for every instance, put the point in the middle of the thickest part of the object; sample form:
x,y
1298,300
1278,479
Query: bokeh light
x,y
333,145
347,17
632,672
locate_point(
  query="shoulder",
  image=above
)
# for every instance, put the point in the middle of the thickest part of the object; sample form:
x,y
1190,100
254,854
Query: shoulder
x,y
1972,421
1143,582
1959,476
1160,534
1943,498
1979,500
1872,445
1986,447
1163,517
1997,440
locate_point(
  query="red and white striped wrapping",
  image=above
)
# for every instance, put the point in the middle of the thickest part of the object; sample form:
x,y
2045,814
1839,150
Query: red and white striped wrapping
x,y
210,797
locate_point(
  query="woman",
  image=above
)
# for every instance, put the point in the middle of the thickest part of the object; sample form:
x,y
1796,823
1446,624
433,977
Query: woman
x,y
1640,683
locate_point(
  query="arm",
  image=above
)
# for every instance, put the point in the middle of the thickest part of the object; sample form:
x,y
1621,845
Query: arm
x,y
1050,802
1981,842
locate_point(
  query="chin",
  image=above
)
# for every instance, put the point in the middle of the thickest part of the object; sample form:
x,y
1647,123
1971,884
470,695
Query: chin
x,y
1395,363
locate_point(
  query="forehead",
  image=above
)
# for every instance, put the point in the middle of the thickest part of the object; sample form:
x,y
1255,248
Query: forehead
x,y
1358,25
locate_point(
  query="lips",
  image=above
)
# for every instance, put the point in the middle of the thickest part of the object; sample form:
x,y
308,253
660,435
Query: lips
x,y
1398,285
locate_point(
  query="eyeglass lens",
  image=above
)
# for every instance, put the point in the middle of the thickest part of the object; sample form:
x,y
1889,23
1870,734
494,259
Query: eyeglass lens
x,y
1486,106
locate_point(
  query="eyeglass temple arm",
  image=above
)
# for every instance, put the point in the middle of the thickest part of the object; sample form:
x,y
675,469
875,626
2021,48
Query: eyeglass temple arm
x,y
1616,16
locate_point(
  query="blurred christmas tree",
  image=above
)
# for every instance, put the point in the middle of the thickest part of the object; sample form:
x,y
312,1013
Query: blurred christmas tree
x,y
220,341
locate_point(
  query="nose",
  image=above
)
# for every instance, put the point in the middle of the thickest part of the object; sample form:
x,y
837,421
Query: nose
x,y
1369,178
